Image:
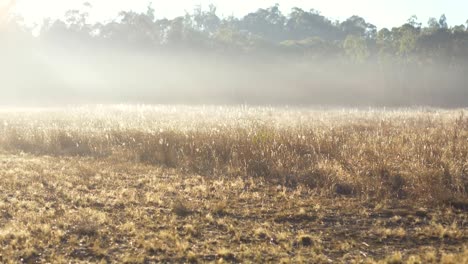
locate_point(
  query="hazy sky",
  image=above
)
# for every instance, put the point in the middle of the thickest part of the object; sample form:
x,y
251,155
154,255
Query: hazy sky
x,y
383,13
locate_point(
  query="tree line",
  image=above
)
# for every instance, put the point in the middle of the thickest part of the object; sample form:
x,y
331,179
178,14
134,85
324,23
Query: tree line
x,y
411,60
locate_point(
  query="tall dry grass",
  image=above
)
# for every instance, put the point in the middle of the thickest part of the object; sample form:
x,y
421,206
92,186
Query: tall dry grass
x,y
374,153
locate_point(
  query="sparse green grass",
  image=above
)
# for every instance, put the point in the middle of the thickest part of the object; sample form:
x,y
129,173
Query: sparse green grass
x,y
181,184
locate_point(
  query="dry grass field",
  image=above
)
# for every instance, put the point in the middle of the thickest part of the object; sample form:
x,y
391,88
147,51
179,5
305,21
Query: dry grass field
x,y
180,184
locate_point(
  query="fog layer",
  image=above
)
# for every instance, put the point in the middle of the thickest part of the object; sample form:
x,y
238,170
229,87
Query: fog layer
x,y
74,63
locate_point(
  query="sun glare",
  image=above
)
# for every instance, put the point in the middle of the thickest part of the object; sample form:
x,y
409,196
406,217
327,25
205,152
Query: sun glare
x,y
5,7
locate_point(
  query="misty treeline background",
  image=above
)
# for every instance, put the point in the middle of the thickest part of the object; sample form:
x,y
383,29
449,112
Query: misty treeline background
x,y
265,57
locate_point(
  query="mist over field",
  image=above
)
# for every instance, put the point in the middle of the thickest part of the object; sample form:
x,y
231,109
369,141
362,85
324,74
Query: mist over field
x,y
268,138
266,57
